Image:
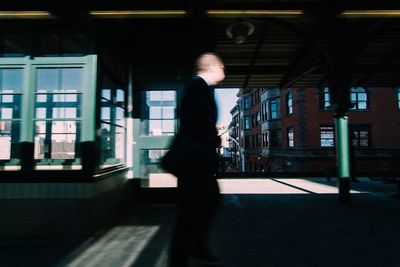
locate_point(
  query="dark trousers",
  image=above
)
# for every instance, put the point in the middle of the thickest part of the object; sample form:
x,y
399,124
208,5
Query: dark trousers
x,y
199,199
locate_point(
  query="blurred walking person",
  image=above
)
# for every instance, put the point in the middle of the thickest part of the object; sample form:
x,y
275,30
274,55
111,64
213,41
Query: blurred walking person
x,y
196,162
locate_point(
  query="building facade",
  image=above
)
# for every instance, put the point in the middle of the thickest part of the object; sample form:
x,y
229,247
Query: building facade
x,y
297,131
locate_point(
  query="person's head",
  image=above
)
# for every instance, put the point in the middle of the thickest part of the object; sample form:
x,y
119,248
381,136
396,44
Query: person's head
x,y
210,67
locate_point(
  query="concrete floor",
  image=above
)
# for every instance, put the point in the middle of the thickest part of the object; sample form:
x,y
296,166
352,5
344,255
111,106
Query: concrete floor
x,y
262,222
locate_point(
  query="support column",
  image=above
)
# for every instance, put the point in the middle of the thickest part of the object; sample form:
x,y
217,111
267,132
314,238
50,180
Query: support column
x,y
342,156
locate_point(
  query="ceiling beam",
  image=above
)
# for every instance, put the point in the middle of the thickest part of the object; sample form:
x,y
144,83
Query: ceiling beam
x,y
281,70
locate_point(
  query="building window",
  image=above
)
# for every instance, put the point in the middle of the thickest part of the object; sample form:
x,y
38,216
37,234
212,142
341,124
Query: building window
x,y
325,98
359,98
264,139
58,96
160,111
327,136
273,109
360,136
289,103
264,111
258,119
10,117
290,137
398,98
275,138
247,102
247,123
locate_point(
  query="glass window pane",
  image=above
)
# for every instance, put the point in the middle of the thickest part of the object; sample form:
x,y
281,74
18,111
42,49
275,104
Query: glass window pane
x,y
120,144
40,113
168,126
112,144
155,127
362,105
105,113
40,127
106,93
9,145
47,80
364,142
56,144
362,97
64,113
11,80
168,113
40,98
6,113
120,113
71,79
363,134
63,146
154,95
120,95
63,127
7,98
5,144
155,113
65,98
168,95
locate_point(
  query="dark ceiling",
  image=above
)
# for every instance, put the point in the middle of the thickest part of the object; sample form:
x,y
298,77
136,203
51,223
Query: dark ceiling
x,y
286,49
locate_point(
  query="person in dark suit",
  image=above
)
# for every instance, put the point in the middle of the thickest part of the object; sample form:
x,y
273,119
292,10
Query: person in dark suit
x,y
197,185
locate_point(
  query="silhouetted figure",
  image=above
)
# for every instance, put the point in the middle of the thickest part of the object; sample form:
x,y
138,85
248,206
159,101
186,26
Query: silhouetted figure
x,y
198,190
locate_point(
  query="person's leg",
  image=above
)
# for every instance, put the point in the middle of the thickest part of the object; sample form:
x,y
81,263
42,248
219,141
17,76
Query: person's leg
x,y
206,205
186,225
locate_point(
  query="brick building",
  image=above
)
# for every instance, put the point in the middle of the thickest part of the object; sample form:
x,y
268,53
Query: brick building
x,y
293,129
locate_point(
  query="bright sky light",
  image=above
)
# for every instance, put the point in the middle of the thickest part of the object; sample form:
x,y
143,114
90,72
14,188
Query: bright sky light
x,y
226,99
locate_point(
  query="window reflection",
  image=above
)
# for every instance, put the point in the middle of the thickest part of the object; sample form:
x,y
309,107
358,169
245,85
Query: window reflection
x,y
112,132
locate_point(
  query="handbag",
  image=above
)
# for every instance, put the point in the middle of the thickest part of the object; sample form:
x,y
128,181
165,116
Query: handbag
x,y
187,155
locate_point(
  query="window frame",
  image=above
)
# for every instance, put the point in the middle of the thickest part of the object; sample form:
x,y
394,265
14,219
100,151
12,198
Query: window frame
x,y
27,129
289,104
331,127
360,128
290,137
325,99
273,102
356,91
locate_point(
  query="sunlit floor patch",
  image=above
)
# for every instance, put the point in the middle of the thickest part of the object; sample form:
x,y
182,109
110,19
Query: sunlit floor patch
x,y
277,186
259,185
121,246
162,180
256,186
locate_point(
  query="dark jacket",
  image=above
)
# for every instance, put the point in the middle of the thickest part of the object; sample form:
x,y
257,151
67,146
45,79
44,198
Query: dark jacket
x,y
195,143
198,113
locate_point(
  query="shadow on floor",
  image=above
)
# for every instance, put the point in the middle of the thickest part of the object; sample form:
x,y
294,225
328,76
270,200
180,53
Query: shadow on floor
x,y
252,230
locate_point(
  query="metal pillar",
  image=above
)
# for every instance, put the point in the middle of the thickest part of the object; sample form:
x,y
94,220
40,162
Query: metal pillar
x,y
342,156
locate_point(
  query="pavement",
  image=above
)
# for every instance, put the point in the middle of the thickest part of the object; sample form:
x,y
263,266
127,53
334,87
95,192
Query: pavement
x,y
261,223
